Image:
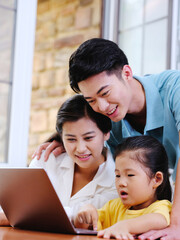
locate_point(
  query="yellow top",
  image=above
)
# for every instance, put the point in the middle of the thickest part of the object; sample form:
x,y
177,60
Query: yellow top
x,y
115,211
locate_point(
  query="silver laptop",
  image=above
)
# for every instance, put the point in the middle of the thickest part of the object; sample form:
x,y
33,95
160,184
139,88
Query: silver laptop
x,y
30,202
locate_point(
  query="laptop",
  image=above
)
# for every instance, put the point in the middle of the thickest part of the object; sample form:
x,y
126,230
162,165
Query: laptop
x,y
30,202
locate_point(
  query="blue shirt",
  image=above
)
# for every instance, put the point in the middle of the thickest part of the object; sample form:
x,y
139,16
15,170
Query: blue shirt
x,y
162,93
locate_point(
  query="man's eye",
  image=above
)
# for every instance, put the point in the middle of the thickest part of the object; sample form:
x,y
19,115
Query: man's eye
x,y
105,93
91,101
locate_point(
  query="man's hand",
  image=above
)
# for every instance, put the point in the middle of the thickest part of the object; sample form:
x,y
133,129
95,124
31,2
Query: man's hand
x,y
55,147
170,233
86,217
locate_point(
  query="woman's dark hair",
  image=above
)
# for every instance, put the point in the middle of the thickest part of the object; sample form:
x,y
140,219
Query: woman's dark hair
x,y
152,155
76,108
94,56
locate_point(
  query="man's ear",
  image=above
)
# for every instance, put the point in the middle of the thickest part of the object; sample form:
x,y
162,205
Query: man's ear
x,y
158,179
127,72
106,136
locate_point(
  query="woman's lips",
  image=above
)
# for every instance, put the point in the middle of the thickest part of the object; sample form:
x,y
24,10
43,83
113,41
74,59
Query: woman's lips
x,y
84,157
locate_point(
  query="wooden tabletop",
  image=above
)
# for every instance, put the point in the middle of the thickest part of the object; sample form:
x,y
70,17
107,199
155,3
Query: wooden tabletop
x,y
9,233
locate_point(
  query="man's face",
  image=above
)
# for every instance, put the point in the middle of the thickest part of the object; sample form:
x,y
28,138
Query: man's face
x,y
107,95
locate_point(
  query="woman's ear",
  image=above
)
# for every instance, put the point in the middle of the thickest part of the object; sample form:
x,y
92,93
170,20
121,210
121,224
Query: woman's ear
x,y
158,179
106,136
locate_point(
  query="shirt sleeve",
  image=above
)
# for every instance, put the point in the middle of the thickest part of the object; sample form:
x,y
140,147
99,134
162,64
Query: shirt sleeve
x,y
163,207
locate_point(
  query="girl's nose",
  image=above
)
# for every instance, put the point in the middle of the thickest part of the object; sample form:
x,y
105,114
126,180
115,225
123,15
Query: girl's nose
x,y
122,182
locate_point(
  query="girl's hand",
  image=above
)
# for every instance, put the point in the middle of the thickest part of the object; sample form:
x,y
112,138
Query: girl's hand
x,y
86,217
117,231
55,147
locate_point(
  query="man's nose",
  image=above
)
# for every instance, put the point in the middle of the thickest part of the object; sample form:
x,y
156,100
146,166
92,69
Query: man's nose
x,y
102,105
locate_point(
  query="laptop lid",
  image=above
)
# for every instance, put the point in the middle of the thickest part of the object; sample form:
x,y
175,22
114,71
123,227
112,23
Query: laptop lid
x,y
29,201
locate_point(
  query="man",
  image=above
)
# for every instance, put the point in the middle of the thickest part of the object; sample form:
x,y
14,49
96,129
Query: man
x,y
147,105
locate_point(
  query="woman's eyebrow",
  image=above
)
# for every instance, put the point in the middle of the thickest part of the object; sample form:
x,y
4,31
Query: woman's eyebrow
x,y
88,133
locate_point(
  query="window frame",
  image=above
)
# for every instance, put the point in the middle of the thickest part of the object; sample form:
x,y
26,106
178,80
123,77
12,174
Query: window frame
x,y
110,27
22,62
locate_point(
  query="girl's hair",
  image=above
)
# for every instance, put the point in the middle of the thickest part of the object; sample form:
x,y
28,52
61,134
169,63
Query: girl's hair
x,y
152,155
76,108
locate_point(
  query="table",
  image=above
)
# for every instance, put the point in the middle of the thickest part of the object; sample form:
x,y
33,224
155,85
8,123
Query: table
x,y
9,233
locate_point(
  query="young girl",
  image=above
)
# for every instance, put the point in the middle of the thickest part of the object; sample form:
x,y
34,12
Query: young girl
x,y
142,182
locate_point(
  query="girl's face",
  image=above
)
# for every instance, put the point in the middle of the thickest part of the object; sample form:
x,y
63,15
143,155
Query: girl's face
x,y
84,142
134,186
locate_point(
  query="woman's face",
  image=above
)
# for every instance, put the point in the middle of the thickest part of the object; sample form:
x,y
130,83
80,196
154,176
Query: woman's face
x,y
84,142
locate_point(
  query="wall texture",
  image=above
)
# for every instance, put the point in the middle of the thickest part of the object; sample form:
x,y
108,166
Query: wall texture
x,y
62,25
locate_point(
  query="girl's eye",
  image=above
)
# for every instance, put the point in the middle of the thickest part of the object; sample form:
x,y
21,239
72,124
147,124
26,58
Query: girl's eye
x,y
117,176
131,175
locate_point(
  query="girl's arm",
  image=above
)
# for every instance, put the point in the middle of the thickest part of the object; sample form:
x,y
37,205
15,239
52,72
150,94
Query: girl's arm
x,y
87,217
127,228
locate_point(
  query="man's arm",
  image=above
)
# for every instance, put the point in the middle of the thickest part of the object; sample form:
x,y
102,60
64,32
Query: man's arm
x,y
125,229
173,231
53,144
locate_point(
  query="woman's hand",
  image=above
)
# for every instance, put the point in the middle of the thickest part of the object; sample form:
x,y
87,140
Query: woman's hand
x,y
54,147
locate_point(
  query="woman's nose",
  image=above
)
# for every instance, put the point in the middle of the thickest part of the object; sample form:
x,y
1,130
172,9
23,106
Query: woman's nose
x,y
80,147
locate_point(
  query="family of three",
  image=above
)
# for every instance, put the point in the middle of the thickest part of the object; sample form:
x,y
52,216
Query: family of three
x,y
137,106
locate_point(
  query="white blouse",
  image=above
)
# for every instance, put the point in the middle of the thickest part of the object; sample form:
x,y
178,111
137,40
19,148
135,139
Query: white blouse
x,y
61,171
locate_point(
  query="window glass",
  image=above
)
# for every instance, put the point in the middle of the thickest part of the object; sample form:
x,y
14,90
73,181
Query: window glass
x,y
7,23
4,96
8,3
131,13
143,34
130,42
6,40
155,9
155,47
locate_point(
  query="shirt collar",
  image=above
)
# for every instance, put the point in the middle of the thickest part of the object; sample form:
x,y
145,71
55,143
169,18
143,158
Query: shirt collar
x,y
154,105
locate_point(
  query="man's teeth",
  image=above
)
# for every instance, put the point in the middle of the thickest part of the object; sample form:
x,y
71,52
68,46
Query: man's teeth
x,y
112,111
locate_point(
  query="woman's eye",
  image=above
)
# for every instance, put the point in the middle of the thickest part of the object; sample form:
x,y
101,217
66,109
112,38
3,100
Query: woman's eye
x,y
88,138
130,175
117,176
71,139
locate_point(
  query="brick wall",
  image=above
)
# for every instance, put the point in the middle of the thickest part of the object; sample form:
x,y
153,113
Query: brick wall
x,y
62,25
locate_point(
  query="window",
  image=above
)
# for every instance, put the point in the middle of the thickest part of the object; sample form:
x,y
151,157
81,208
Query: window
x,y
17,20
143,30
